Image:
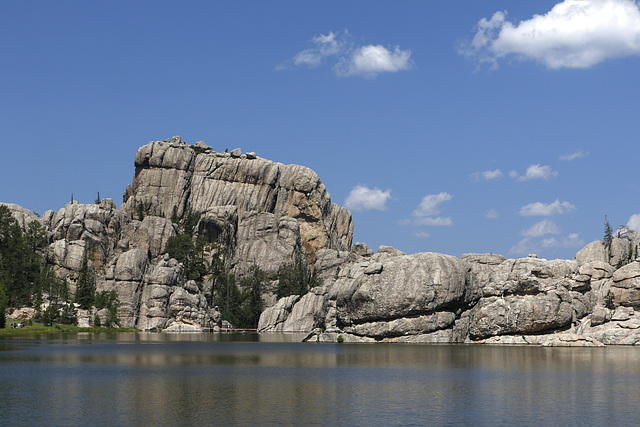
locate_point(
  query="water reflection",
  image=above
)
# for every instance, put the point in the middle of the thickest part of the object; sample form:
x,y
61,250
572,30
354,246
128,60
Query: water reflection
x,y
274,379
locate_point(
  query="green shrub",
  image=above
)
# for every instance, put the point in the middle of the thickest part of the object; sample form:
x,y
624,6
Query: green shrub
x,y
609,300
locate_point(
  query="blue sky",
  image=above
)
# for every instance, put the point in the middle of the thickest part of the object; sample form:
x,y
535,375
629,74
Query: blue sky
x,y
453,127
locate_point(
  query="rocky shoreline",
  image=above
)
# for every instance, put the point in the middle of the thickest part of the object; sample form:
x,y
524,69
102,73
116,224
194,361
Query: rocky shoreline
x,y
263,213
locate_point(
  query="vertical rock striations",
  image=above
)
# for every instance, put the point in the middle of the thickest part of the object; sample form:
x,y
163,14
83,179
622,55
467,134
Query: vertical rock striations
x,y
171,176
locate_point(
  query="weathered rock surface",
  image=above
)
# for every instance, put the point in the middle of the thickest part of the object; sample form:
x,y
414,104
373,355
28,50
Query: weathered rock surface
x,y
172,175
483,298
262,213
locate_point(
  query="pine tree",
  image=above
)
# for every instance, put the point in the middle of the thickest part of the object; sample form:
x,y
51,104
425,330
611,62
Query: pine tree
x,y
86,286
3,306
253,285
608,236
296,278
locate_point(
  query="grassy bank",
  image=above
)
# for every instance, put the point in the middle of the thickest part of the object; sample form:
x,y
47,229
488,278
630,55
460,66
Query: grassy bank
x,y
37,328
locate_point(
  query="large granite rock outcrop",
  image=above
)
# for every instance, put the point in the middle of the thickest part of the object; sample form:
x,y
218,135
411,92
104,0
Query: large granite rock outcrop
x,y
483,298
265,213
173,176
257,211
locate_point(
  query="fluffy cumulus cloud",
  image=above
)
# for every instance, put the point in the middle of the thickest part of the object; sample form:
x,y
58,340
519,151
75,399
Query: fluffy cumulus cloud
x,y
530,245
575,155
349,59
541,228
431,204
429,207
573,34
488,175
547,209
535,172
634,222
363,198
370,60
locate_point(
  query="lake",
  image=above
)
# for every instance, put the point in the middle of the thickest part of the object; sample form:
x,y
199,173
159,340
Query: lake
x,y
273,379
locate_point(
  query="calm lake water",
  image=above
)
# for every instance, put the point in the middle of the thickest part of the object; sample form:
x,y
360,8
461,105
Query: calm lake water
x,y
272,379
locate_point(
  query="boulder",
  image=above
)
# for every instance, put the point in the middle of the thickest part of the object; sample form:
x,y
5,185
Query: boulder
x,y
272,319
417,325
620,251
24,313
594,251
626,285
406,285
526,314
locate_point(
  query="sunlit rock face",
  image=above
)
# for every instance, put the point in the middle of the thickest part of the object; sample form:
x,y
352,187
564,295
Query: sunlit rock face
x,y
260,213
172,176
477,298
265,214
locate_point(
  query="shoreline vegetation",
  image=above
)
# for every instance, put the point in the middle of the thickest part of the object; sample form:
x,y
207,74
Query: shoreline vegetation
x,y
38,328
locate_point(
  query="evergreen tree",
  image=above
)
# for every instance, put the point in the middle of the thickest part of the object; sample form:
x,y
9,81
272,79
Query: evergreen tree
x,y
3,306
608,236
190,254
252,307
296,278
20,258
228,298
108,300
86,286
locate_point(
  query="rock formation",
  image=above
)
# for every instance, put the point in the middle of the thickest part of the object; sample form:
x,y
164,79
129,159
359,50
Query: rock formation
x,y
260,212
478,298
266,214
171,176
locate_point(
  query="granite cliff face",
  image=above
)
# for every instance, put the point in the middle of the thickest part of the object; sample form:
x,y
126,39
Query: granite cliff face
x,y
264,195
261,212
265,213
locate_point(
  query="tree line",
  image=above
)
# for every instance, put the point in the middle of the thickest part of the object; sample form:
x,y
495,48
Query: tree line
x,y
26,278
239,301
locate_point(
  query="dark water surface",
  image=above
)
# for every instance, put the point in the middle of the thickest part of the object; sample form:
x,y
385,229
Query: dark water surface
x,y
272,379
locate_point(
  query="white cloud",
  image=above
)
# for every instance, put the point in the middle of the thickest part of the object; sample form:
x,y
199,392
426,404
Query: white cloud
x,y
422,234
547,209
573,34
541,228
437,221
634,222
488,175
430,204
574,155
535,172
364,198
492,214
531,246
425,213
370,60
325,46
349,59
